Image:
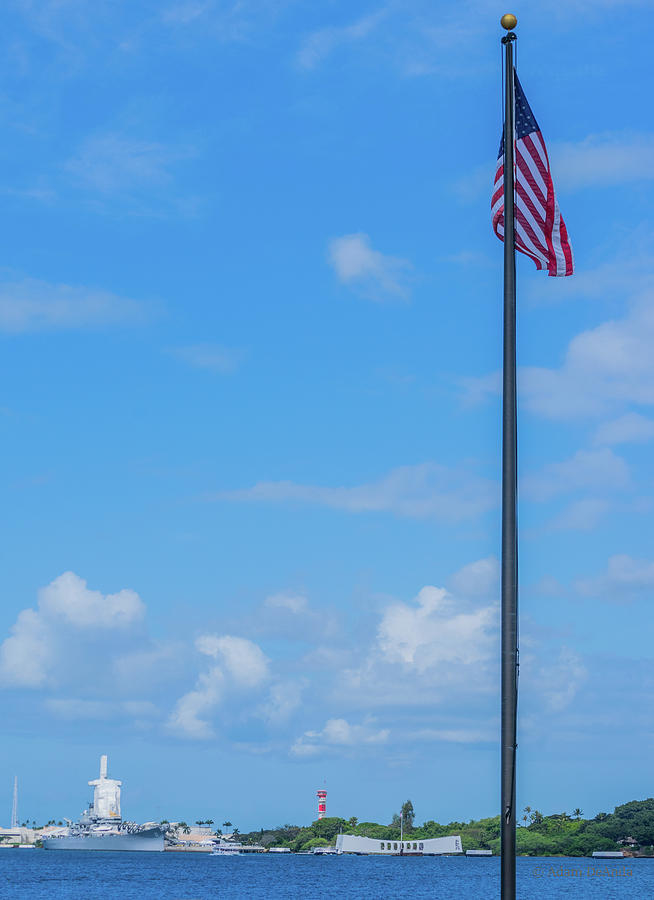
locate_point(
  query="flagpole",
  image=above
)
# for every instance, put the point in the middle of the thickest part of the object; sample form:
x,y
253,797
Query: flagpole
x,y
509,625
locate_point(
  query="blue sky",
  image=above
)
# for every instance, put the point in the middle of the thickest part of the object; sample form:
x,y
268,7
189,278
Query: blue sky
x,y
250,323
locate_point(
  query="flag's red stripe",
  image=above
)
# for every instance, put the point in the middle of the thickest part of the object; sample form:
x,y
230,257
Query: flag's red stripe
x,y
536,239
525,172
526,200
567,249
535,155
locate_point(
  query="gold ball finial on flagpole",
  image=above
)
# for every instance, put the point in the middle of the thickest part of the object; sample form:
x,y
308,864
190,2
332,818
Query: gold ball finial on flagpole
x,y
508,21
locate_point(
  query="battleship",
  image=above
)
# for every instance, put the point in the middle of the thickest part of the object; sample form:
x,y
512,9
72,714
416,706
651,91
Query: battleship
x,y
101,826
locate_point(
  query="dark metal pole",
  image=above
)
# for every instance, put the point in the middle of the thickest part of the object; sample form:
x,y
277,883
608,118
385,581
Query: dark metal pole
x,y
509,491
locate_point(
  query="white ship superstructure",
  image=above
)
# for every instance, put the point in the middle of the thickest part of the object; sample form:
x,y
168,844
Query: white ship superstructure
x,y
106,795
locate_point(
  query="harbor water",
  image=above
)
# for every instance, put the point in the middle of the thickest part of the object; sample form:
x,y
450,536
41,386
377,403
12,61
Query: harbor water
x,y
76,875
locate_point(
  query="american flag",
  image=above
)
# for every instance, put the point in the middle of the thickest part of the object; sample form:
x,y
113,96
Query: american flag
x,y
540,231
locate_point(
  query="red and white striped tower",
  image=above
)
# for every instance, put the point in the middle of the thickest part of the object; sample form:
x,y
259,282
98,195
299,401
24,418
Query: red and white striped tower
x,y
322,803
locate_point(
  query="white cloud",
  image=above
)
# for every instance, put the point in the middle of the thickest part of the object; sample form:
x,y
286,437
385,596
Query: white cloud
x,y
111,162
295,603
632,428
80,709
189,717
338,733
213,357
434,651
282,700
630,273
288,615
242,659
453,735
420,491
607,366
29,657
477,579
185,13
373,274
69,599
625,579
604,159
586,470
476,389
434,631
582,515
439,651
149,666
32,305
548,585
610,364
321,43
241,664
475,183
222,20
560,680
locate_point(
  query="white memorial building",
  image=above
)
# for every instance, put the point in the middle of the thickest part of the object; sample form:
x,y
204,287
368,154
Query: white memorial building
x,y
351,843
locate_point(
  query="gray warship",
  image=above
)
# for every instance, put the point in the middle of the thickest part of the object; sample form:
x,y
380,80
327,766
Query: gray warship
x,y
101,826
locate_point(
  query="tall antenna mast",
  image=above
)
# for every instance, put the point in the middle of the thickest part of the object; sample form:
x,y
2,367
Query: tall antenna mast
x,y
14,805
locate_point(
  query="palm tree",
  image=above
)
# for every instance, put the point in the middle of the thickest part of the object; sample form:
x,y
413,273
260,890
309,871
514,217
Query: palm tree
x,y
227,824
578,813
525,820
208,822
184,827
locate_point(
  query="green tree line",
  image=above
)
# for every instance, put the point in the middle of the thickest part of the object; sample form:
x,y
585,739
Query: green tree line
x,y
559,834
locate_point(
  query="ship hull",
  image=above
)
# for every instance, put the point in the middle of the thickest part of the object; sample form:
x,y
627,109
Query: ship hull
x,y
150,840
